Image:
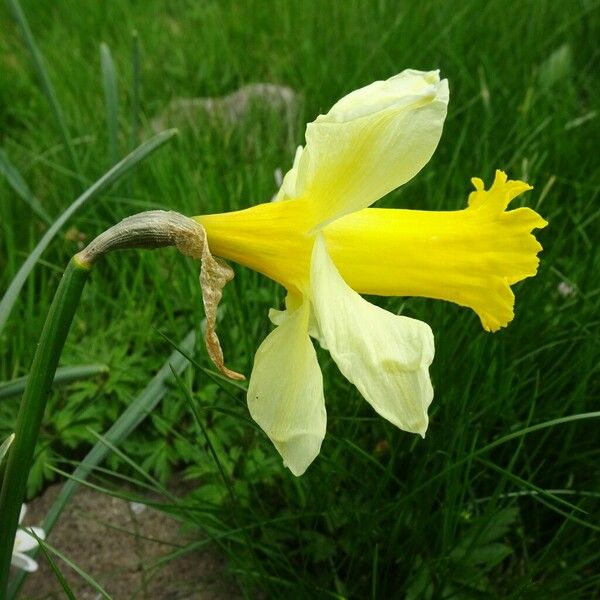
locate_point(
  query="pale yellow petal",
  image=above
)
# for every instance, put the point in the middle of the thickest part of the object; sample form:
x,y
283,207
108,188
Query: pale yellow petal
x,y
288,185
285,393
292,302
383,94
371,142
385,356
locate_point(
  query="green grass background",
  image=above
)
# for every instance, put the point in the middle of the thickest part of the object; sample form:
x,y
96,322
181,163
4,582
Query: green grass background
x,y
380,514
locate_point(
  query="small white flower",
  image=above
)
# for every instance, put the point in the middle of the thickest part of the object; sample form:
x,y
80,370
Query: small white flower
x,y
23,543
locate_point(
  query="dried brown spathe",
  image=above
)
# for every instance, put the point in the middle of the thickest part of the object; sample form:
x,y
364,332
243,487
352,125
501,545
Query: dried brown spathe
x,y
215,273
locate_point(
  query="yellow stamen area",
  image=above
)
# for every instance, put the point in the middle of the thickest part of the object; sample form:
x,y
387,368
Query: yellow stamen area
x,y
470,257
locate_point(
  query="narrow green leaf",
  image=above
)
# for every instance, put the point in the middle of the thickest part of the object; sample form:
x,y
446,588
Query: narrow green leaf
x,y
57,572
135,89
215,455
111,98
133,464
5,446
530,486
3,450
215,376
64,375
556,68
17,183
46,83
489,555
538,427
134,126
114,174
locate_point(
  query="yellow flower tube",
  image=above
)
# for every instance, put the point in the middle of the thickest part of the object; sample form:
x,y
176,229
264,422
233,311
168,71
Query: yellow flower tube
x,y
322,242
470,257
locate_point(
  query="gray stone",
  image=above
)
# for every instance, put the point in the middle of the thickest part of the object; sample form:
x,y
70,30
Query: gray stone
x,y
232,109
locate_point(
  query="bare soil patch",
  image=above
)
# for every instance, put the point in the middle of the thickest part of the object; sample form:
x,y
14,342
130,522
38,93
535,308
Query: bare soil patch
x,y
117,543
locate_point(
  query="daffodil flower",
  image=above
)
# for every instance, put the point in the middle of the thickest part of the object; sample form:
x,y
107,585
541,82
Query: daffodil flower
x,y
24,542
321,242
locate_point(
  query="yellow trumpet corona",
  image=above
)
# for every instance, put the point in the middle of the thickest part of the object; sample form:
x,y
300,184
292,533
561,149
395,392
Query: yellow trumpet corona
x,y
470,257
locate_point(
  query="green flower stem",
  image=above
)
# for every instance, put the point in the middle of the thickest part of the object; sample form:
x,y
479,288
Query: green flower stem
x,y
33,405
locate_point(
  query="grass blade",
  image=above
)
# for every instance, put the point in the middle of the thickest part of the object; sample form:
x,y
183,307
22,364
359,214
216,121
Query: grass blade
x,y
5,446
188,396
61,579
135,89
114,174
17,183
109,83
502,440
46,83
3,450
64,375
135,413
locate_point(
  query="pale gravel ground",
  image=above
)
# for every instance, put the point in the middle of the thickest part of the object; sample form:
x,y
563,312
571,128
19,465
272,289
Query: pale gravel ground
x,y
106,538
